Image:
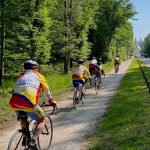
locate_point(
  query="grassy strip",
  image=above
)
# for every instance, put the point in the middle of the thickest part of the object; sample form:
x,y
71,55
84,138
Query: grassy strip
x,y
126,125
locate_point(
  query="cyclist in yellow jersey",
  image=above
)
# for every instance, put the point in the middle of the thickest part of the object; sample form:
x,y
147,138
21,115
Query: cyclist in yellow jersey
x,y
25,97
78,75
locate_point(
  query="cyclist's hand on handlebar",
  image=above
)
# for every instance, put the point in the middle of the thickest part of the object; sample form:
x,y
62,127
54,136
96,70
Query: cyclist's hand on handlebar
x,y
52,103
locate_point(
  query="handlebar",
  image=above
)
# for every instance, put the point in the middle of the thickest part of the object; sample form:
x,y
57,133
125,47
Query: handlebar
x,y
45,104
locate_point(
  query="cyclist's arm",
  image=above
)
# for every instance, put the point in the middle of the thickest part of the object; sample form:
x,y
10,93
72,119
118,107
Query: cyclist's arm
x,y
45,88
87,72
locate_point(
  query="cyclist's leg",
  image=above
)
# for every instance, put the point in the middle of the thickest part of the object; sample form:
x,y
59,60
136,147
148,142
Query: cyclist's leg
x,y
91,73
37,114
22,117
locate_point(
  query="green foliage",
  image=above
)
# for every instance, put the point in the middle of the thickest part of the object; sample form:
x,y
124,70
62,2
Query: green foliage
x,y
146,45
112,16
62,31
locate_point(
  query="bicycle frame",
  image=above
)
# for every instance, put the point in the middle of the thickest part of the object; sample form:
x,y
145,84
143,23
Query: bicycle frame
x,y
77,95
97,84
25,134
116,68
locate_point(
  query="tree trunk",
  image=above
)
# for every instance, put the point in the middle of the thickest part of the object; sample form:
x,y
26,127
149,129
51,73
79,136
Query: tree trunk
x,y
32,41
67,21
2,44
67,64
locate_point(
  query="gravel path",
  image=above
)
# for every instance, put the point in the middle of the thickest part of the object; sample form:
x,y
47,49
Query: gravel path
x,y
71,128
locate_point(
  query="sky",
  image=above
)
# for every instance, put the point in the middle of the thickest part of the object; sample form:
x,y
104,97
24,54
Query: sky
x,y
141,26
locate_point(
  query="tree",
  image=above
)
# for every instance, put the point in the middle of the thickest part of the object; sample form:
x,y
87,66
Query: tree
x,y
146,45
112,15
2,37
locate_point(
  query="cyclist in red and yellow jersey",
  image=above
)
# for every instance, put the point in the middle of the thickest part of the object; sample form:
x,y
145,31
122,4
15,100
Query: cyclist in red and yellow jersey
x,y
78,75
25,97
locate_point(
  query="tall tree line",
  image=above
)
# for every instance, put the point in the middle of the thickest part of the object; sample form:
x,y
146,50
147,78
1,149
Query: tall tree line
x,y
63,31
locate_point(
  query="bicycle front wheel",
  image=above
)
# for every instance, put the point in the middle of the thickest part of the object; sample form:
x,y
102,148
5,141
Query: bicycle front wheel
x,y
15,142
96,86
45,138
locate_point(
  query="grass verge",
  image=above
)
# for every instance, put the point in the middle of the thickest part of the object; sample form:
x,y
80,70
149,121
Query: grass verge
x,y
126,125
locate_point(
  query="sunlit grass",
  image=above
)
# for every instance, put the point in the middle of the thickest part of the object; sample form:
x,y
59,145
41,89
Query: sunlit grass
x,y
126,124
59,82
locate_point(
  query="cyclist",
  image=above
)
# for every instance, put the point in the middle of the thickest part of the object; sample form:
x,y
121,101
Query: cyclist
x,y
78,75
25,98
99,71
116,63
92,63
99,63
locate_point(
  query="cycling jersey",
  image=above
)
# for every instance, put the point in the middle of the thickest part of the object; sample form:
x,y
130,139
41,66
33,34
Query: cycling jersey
x,y
79,73
92,63
97,69
28,87
117,60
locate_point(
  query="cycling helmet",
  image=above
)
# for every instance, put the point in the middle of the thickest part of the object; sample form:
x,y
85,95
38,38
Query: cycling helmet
x,y
31,64
93,57
99,59
80,61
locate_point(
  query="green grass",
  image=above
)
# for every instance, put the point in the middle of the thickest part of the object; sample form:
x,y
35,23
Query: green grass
x,y
58,83
126,125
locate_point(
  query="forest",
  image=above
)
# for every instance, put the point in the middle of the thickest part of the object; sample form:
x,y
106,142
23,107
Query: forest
x,y
61,31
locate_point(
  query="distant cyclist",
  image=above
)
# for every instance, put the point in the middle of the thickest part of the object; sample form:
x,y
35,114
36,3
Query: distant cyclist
x,y
99,64
99,71
92,63
79,74
116,64
25,98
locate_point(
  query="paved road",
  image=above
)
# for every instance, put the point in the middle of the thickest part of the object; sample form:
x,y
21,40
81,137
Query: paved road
x,y
71,128
146,61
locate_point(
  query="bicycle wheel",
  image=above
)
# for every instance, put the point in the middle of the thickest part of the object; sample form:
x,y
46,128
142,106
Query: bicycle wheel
x,y
100,84
96,86
45,138
75,98
116,68
15,142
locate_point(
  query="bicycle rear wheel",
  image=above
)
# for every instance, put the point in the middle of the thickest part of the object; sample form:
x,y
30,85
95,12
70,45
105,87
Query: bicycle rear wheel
x,y
116,68
96,86
75,98
15,142
45,138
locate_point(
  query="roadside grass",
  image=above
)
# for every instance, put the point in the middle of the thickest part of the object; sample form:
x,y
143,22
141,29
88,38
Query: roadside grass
x,y
126,124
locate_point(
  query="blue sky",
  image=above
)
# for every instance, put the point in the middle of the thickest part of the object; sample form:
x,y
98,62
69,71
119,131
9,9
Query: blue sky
x,y
142,25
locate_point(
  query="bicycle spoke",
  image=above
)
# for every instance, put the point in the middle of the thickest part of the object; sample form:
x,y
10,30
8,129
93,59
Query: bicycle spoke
x,y
15,142
45,138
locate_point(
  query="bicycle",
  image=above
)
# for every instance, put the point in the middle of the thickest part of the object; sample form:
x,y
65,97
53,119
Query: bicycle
x,y
98,84
116,68
78,95
19,140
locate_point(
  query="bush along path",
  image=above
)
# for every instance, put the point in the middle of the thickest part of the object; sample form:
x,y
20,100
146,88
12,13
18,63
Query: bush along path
x,y
71,128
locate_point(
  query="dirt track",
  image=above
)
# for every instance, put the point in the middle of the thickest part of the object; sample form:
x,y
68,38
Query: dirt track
x,y
71,128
